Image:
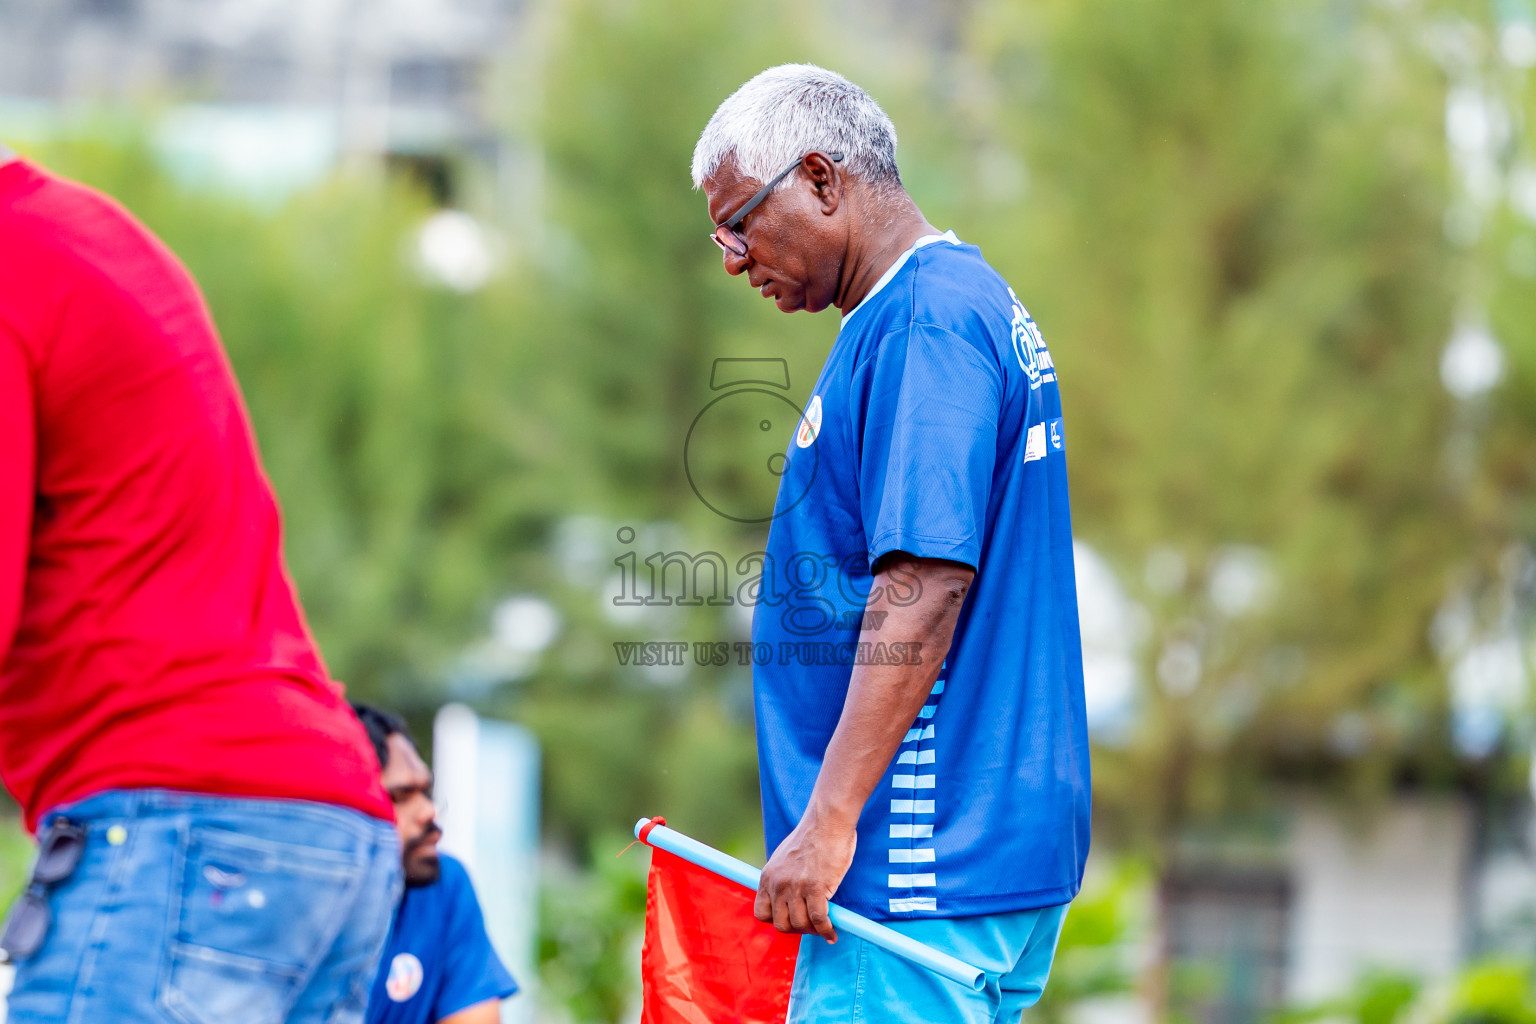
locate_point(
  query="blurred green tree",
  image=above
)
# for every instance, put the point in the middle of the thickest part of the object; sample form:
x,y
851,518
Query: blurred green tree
x,y
1232,230
633,310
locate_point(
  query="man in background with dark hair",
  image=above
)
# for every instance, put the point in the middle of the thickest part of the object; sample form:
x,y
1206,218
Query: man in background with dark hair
x,y
439,966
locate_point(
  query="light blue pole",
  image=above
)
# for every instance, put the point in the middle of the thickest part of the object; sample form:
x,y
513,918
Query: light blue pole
x,y
890,940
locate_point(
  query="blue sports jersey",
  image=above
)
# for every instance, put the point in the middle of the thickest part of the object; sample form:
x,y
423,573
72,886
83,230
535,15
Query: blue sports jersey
x,y
438,959
935,428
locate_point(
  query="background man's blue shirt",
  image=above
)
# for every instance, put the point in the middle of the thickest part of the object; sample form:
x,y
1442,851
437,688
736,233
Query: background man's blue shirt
x,y
937,430
438,959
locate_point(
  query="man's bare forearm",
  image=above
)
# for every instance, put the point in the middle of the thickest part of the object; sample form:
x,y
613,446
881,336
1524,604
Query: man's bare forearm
x,y
807,867
883,700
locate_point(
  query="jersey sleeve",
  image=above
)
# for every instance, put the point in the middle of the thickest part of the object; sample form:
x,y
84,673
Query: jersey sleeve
x,y
18,475
928,446
473,972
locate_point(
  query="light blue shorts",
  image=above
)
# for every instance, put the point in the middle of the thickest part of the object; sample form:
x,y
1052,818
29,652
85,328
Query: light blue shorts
x,y
853,982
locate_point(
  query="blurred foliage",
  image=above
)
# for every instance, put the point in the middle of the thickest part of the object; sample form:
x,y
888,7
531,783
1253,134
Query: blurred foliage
x,y
1490,991
631,287
1494,992
1234,232
16,853
1095,954
1376,998
589,935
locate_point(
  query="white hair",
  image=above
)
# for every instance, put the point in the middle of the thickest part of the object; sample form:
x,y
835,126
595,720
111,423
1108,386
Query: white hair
x,y
788,111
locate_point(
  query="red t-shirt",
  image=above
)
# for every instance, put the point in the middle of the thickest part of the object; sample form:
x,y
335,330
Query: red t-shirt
x,y
149,634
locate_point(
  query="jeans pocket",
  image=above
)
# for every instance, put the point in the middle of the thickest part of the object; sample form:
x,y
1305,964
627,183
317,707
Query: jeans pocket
x,y
252,919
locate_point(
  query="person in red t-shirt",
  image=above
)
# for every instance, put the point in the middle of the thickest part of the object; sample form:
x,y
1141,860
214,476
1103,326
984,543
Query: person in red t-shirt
x,y
213,838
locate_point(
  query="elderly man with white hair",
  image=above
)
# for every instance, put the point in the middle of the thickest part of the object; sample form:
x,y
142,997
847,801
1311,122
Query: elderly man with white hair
x,y
921,729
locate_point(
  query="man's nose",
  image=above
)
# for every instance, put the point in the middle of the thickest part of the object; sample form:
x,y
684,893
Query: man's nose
x,y
735,265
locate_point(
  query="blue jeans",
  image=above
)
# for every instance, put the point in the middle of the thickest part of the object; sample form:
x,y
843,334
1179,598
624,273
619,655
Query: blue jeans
x,y
190,909
853,982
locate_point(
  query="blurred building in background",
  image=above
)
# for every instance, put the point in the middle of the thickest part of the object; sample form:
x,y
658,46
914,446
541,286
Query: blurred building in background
x,y
269,95
487,788
1294,909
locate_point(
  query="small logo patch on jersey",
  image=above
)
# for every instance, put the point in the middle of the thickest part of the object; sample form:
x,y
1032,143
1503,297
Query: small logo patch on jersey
x,y
405,976
1034,443
1029,347
810,424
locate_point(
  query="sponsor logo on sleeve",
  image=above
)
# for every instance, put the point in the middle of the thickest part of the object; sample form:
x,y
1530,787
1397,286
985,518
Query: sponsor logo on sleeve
x,y
1034,443
810,424
404,979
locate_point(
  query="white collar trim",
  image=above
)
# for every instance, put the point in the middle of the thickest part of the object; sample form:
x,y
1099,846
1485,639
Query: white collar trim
x,y
885,278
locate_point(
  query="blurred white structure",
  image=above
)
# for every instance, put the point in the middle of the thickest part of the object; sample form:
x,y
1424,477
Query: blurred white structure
x,y
1386,892
406,69
487,776
282,88
1111,631
1294,911
456,251
1472,362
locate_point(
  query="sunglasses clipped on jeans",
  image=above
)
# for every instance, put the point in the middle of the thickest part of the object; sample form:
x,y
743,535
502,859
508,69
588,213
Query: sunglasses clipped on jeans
x,y
725,234
59,850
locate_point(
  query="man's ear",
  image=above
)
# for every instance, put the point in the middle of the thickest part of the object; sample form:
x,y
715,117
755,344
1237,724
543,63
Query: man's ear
x,y
826,179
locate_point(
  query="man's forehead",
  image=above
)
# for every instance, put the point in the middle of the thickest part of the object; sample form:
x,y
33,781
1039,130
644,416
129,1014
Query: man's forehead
x,y
404,759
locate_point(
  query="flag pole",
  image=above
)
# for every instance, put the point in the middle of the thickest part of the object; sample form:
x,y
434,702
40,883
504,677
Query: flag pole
x,y
653,833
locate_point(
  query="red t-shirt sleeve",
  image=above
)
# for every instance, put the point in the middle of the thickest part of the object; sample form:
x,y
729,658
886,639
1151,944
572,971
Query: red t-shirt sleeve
x,y
18,474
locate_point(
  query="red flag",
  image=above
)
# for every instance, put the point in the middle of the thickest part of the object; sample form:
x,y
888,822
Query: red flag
x,y
706,959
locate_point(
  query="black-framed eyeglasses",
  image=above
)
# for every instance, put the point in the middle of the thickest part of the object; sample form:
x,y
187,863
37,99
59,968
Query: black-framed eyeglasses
x,y
59,850
725,234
